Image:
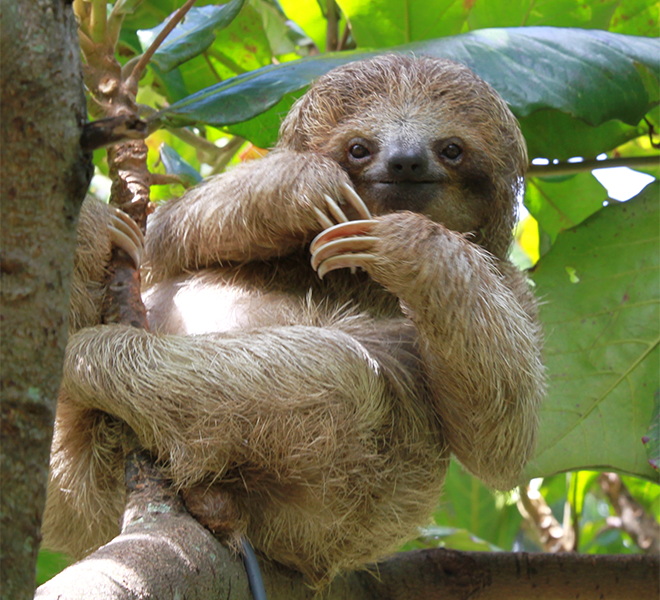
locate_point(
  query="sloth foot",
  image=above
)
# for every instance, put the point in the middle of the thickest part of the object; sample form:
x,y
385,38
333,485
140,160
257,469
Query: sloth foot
x,y
345,245
125,234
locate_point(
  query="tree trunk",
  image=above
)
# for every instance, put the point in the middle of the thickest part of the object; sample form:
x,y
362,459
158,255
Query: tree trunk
x,y
43,179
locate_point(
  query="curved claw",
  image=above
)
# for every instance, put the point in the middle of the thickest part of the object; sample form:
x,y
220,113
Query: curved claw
x,y
343,261
341,246
125,234
341,230
351,196
324,220
335,211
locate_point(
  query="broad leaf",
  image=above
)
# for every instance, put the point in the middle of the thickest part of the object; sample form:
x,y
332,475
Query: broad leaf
x,y
594,76
636,17
191,36
383,23
175,164
468,504
600,291
556,135
561,203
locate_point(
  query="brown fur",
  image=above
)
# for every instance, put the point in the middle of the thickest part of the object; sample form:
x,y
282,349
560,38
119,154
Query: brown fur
x,y
326,409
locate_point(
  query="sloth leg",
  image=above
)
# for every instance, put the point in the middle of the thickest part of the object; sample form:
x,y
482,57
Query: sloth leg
x,y
280,400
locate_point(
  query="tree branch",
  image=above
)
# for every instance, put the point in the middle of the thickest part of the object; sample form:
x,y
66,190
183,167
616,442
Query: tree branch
x,y
550,533
566,168
633,518
169,557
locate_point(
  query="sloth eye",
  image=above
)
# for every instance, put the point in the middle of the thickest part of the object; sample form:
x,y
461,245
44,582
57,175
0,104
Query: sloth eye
x,y
452,151
359,151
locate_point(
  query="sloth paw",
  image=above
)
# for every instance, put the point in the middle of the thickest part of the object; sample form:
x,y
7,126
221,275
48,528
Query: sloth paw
x,y
125,234
346,245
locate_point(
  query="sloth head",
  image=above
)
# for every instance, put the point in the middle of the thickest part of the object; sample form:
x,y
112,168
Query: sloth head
x,y
419,134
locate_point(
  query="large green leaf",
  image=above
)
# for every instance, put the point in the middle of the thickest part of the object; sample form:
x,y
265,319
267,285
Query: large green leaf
x,y
556,13
380,23
383,23
468,504
191,36
636,17
561,203
591,75
600,288
245,96
553,134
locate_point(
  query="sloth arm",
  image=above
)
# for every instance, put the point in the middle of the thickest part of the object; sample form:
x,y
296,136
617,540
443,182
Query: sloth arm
x,y
259,210
480,340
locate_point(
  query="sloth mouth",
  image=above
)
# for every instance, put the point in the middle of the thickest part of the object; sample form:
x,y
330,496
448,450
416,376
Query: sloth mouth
x,y
405,195
407,183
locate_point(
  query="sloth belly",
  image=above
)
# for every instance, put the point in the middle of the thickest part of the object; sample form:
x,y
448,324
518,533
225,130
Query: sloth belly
x,y
207,302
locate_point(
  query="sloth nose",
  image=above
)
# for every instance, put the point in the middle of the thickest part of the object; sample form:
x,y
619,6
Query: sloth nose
x,y
407,164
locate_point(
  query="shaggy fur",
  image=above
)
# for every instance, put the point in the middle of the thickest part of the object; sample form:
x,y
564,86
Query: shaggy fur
x,y
325,409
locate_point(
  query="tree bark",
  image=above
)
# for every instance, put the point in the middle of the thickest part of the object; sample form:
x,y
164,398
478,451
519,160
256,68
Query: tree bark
x,y
179,559
43,179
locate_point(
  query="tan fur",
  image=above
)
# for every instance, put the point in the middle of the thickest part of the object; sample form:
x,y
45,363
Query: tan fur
x,y
327,410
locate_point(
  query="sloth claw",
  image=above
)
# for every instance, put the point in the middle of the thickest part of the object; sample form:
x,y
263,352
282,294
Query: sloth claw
x,y
335,211
355,201
343,246
342,261
341,230
337,247
125,234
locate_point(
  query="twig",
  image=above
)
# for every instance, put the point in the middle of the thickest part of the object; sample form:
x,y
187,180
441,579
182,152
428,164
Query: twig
x,y
632,517
550,533
134,77
332,30
344,37
566,168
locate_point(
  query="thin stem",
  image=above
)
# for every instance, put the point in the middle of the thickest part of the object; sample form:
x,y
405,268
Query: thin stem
x,y
210,64
132,81
98,20
565,168
198,142
344,37
81,10
86,45
332,30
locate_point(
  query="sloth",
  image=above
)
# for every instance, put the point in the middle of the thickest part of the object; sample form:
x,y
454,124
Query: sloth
x,y
328,325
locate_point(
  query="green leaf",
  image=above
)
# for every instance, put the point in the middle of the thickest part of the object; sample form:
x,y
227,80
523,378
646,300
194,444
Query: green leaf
x,y
590,75
468,504
176,165
636,17
601,340
652,438
50,564
557,13
450,537
382,23
245,96
561,203
581,482
191,36
309,17
555,135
